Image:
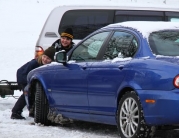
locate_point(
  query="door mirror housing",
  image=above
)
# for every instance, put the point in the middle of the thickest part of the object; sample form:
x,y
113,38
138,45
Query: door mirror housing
x,y
61,57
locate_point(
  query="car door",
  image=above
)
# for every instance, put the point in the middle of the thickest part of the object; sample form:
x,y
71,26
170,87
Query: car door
x,y
105,78
69,87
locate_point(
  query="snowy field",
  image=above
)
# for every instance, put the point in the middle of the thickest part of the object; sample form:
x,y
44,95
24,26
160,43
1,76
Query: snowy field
x,y
20,24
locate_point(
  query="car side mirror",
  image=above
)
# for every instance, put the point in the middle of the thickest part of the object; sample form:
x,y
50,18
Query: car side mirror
x,y
60,57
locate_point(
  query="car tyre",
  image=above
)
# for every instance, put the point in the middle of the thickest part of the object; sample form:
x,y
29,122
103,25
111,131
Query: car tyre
x,y
130,119
41,106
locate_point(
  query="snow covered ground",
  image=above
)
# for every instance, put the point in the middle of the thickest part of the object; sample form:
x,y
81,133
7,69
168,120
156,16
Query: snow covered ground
x,y
20,24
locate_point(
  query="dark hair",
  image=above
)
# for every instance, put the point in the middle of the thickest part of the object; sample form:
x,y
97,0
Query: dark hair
x,y
50,52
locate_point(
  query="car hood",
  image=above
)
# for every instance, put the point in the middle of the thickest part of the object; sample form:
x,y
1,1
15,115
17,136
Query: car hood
x,y
44,69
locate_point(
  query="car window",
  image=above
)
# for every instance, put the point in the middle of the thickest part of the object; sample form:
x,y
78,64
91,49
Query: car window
x,y
121,45
165,43
89,49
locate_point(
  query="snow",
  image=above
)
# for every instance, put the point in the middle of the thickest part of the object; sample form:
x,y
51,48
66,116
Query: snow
x,y
147,27
20,24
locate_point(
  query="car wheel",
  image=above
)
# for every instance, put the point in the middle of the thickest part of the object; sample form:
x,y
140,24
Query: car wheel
x,y
130,120
41,106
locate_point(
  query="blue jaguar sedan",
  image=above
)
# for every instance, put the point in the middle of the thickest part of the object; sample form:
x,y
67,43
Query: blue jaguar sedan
x,y
125,74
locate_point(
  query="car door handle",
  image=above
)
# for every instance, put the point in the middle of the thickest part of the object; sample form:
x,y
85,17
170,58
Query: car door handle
x,y
84,68
121,67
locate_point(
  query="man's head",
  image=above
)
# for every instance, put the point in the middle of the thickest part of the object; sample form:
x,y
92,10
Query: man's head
x,y
66,37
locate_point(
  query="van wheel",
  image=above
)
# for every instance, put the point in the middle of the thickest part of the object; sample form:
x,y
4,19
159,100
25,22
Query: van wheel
x,y
130,120
41,106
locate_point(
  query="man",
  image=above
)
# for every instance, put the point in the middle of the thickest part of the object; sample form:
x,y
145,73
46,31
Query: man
x,y
65,43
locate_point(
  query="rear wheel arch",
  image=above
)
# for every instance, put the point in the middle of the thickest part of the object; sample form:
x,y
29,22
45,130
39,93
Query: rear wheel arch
x,y
127,99
121,93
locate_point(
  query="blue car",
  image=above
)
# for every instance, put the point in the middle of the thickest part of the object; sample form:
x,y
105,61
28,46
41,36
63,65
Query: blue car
x,y
125,74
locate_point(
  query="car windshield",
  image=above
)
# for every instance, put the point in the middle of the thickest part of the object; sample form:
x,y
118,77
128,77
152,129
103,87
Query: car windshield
x,y
165,42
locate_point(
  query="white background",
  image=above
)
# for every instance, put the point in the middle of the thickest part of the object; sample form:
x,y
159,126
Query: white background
x,y
20,24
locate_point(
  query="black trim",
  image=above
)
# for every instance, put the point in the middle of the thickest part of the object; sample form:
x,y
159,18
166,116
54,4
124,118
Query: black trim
x,y
138,13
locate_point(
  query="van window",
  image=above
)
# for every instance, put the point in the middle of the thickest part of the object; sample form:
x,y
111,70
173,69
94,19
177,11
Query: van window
x,y
84,22
121,16
172,16
173,19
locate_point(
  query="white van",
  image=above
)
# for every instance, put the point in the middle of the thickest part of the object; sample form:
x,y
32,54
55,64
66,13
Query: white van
x,y
86,19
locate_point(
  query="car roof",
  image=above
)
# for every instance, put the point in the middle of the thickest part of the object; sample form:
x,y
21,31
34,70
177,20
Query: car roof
x,y
120,6
145,27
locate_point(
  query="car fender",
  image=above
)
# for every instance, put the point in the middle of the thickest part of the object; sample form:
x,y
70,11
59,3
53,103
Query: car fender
x,y
127,86
38,77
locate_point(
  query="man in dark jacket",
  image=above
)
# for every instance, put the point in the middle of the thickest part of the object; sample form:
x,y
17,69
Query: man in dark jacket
x,y
22,72
65,43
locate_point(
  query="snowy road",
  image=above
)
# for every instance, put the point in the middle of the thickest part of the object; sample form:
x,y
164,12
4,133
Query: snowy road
x,y
20,24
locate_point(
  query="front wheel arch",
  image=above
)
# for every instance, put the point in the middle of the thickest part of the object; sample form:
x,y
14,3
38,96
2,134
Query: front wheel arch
x,y
32,91
41,109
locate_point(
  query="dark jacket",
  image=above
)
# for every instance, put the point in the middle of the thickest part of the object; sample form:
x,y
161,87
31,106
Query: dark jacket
x,y
59,47
24,70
